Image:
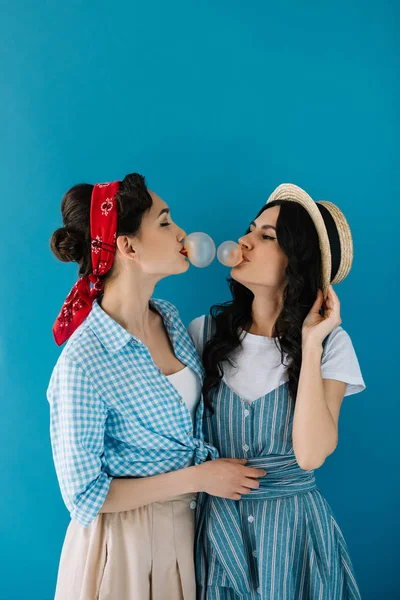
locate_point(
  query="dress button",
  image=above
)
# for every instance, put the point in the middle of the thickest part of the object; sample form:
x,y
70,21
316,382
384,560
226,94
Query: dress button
x,y
193,504
245,447
250,518
246,412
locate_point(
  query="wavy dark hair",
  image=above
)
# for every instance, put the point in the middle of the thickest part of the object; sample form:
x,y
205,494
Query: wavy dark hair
x,y
297,237
72,242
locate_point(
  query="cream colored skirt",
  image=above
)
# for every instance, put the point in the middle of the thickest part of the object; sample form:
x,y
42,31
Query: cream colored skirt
x,y
141,554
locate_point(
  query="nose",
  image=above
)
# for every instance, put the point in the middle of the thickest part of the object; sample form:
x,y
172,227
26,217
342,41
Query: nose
x,y
181,235
244,243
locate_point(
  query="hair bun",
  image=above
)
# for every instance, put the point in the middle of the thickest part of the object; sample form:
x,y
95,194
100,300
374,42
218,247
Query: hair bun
x,y
68,245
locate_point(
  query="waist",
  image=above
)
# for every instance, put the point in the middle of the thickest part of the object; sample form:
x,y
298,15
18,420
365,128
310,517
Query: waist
x,y
284,477
222,518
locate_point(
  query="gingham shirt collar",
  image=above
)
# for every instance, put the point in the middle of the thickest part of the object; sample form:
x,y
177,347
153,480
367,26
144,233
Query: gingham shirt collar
x,y
111,334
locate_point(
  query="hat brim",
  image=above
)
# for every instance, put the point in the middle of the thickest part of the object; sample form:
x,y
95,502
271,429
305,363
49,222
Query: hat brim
x,y
289,192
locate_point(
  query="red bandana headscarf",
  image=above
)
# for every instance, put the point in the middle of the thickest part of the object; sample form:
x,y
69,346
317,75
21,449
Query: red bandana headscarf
x,y
103,233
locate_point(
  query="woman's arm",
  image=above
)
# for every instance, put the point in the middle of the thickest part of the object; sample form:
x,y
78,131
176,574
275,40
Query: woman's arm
x,y
127,494
77,427
316,415
224,477
318,401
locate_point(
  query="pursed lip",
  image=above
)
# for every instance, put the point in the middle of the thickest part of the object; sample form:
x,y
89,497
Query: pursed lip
x,y
183,251
242,262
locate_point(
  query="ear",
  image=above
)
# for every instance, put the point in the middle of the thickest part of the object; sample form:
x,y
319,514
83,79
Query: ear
x,y
126,246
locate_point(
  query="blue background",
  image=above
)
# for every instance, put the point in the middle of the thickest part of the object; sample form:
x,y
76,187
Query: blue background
x,y
216,103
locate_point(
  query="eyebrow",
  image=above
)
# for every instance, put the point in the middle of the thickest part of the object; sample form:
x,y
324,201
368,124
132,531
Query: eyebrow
x,y
252,224
164,210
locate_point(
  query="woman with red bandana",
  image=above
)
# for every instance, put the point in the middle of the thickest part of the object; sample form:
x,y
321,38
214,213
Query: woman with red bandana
x,y
125,403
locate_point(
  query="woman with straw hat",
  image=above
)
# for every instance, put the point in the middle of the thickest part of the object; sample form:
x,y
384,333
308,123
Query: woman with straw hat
x,y
278,365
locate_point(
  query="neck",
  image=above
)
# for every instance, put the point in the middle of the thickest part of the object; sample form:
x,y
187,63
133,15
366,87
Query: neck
x,y
266,308
126,300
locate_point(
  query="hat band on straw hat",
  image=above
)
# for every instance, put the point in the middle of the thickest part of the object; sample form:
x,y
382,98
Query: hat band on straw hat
x,y
334,240
345,240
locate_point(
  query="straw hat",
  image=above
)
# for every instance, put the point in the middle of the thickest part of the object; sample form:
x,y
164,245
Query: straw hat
x,y
335,240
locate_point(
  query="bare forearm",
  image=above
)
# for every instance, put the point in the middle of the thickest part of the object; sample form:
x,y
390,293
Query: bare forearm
x,y
314,430
127,494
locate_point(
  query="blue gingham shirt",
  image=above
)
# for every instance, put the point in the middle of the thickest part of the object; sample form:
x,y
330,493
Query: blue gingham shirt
x,y
114,414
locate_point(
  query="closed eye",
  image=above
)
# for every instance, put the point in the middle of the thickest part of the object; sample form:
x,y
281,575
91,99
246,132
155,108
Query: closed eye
x,y
165,224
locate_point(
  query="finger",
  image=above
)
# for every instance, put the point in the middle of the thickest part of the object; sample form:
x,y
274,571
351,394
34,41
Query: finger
x,y
244,490
330,289
318,302
318,297
332,292
254,484
334,297
330,304
255,473
334,307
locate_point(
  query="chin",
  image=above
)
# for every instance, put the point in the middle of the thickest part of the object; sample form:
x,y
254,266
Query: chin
x,y
236,275
173,268
182,267
242,280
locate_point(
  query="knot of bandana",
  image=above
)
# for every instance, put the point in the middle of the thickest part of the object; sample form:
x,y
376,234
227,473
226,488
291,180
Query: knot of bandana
x,y
103,233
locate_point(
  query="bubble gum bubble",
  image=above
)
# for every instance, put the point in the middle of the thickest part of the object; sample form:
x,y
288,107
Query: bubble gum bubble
x,y
229,254
200,249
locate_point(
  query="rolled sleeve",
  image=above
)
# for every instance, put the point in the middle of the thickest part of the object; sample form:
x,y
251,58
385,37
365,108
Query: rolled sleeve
x,y
77,425
213,453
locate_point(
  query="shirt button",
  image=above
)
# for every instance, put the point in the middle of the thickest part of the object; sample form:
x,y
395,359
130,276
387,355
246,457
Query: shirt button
x,y
245,447
258,590
188,433
181,401
246,412
250,518
254,552
193,504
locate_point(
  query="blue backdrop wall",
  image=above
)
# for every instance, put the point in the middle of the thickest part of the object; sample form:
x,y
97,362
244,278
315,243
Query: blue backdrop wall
x,y
216,103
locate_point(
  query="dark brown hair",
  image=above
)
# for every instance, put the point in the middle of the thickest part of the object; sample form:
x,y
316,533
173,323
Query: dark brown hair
x,y
72,242
298,239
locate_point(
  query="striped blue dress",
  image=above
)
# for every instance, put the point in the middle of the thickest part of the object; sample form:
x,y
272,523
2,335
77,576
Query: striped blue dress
x,y
281,541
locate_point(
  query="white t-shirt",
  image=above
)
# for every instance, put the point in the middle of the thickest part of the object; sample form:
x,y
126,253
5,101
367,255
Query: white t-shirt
x,y
257,364
188,385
